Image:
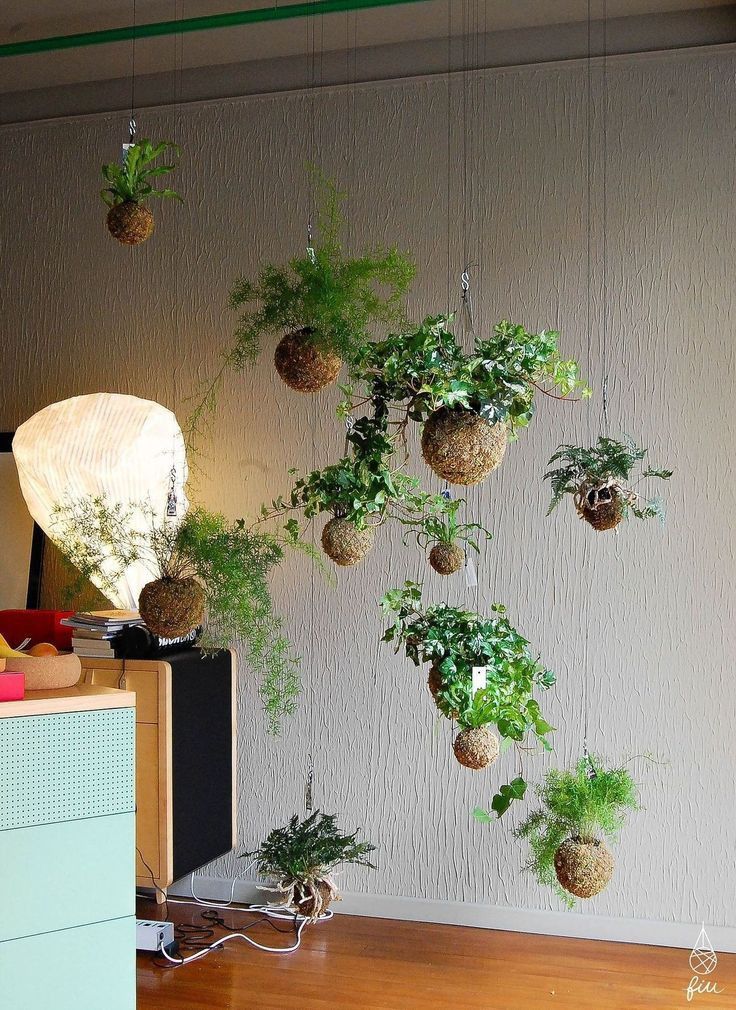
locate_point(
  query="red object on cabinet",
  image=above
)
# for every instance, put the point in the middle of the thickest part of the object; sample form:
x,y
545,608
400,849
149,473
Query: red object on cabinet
x,y
12,686
38,625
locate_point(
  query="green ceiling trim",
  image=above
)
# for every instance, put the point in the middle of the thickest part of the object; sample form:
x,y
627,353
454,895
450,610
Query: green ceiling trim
x,y
233,19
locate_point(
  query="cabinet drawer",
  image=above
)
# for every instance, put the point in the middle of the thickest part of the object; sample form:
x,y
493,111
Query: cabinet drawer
x,y
55,876
63,767
73,969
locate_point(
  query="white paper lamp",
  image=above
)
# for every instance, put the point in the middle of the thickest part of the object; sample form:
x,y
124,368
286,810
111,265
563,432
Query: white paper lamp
x,y
109,445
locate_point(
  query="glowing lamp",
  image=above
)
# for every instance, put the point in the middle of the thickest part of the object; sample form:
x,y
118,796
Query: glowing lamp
x,y
106,445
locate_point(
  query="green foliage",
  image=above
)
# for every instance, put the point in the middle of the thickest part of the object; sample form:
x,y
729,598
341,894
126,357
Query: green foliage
x,y
335,298
575,804
457,640
506,795
366,487
230,560
608,463
443,528
425,369
131,181
309,849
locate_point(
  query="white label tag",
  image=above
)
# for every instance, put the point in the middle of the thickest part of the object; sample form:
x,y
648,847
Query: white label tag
x,y
471,579
479,678
124,155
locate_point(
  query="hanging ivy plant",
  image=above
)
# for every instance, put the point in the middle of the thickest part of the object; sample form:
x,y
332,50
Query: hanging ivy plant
x,y
323,302
469,403
129,187
454,641
598,479
579,809
362,491
205,569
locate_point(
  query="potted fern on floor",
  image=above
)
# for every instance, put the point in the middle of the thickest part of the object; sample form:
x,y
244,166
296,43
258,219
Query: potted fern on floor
x,y
301,857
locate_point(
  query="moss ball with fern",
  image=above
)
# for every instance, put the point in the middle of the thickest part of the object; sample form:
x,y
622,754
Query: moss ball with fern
x,y
172,608
446,559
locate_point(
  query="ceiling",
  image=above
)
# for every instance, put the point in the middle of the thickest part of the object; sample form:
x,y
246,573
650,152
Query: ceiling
x,y
21,20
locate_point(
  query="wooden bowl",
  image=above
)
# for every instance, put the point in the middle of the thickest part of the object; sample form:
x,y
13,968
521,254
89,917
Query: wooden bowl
x,y
46,673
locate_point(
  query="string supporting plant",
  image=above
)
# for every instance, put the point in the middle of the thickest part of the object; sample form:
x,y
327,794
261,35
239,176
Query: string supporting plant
x,y
598,478
579,808
456,642
324,303
301,858
361,491
443,534
469,404
129,187
205,570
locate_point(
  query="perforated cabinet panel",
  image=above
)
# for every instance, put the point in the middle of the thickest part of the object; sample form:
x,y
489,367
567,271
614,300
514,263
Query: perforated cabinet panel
x,y
63,767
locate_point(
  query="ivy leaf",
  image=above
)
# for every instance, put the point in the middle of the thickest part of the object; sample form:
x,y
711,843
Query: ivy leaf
x,y
507,794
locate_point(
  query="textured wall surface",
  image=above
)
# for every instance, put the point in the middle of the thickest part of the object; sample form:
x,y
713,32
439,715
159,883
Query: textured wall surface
x,y
641,622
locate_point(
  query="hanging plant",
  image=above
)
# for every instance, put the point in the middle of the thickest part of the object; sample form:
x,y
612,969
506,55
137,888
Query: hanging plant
x,y
446,535
470,404
301,857
579,809
598,480
361,491
207,570
323,302
129,187
455,641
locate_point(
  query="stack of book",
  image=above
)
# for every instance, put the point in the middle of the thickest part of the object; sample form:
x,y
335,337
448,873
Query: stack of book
x,y
97,634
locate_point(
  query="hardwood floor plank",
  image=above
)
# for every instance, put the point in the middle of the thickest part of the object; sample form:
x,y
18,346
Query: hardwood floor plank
x,y
354,963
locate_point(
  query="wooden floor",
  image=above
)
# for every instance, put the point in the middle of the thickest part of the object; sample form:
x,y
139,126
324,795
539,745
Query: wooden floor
x,y
352,963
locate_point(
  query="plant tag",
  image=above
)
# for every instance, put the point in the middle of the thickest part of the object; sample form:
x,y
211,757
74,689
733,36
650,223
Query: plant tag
x,y
124,155
471,578
479,678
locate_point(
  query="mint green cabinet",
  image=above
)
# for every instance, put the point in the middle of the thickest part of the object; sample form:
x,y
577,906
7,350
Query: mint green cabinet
x,y
86,968
67,860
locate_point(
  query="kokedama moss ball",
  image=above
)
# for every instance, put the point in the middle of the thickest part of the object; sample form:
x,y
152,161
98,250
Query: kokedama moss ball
x,y
172,607
583,867
308,907
461,446
302,365
130,223
345,543
476,747
602,507
446,558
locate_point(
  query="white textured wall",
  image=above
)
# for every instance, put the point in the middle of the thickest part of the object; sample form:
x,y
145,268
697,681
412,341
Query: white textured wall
x,y
657,608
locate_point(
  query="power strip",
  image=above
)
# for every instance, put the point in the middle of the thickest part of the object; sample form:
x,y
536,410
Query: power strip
x,y
153,935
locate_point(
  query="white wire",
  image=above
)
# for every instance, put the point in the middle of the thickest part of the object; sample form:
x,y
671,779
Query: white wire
x,y
276,913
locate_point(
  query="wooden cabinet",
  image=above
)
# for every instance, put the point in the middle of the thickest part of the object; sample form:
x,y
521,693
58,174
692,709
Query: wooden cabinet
x,y
67,827
185,758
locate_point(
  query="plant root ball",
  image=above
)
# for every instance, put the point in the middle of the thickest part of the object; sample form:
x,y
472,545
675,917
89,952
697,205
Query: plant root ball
x,y
583,867
344,543
461,446
172,607
302,365
305,901
130,223
447,558
606,514
476,747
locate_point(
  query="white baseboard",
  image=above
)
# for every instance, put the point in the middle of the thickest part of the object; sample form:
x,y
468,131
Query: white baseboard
x,y
518,920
